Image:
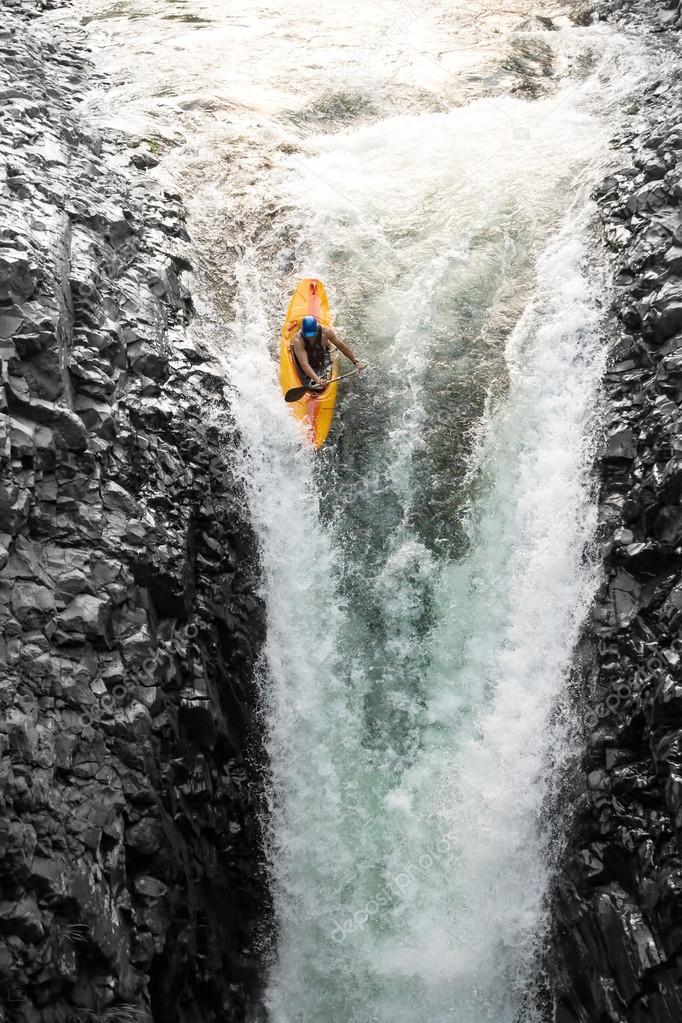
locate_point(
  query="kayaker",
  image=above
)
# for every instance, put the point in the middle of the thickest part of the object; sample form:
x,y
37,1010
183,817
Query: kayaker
x,y
312,347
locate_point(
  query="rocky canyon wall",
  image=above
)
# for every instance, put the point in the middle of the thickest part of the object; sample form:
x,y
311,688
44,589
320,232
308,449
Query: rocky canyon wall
x,y
617,913
130,617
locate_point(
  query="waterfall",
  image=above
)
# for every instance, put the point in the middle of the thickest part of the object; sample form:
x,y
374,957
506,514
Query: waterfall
x,y
425,573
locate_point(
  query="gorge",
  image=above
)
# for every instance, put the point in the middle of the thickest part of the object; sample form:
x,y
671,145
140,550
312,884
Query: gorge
x,y
388,732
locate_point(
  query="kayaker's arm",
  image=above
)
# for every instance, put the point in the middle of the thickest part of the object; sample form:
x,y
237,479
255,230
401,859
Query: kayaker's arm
x,y
343,348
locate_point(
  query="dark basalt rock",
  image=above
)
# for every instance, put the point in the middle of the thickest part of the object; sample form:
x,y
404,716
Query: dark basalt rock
x,y
616,932
130,622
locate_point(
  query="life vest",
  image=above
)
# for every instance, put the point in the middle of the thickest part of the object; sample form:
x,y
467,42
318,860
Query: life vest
x,y
318,357
316,351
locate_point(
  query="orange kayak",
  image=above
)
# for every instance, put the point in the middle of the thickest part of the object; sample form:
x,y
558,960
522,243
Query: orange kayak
x,y
317,410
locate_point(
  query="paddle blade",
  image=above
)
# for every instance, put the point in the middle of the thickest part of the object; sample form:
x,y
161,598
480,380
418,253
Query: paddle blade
x,y
295,393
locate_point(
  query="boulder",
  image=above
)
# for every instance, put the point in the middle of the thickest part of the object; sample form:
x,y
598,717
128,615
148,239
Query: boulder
x,y
97,417
86,615
630,946
14,507
22,919
620,445
144,838
19,277
69,432
667,319
31,603
147,361
668,525
114,496
150,887
144,160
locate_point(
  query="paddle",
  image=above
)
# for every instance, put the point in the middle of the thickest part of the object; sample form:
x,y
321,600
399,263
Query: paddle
x,y
297,392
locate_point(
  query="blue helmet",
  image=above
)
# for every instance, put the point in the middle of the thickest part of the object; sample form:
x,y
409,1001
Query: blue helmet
x,y
309,326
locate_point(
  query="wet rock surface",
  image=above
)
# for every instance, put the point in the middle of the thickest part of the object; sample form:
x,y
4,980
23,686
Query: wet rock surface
x,y
130,883
617,913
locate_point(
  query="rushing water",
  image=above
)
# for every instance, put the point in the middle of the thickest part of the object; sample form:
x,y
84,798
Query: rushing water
x,y
425,574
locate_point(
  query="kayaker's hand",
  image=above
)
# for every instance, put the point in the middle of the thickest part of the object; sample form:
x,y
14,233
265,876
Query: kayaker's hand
x,y
360,366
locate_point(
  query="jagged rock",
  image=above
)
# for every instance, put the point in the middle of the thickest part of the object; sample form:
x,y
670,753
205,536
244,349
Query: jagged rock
x,y
625,595
144,838
23,919
31,603
18,277
115,497
67,427
648,198
673,258
668,525
97,417
620,444
25,436
627,940
668,319
144,160
146,361
14,507
87,615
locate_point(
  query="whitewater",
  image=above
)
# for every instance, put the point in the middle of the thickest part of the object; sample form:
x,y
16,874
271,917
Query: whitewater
x,y
427,573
